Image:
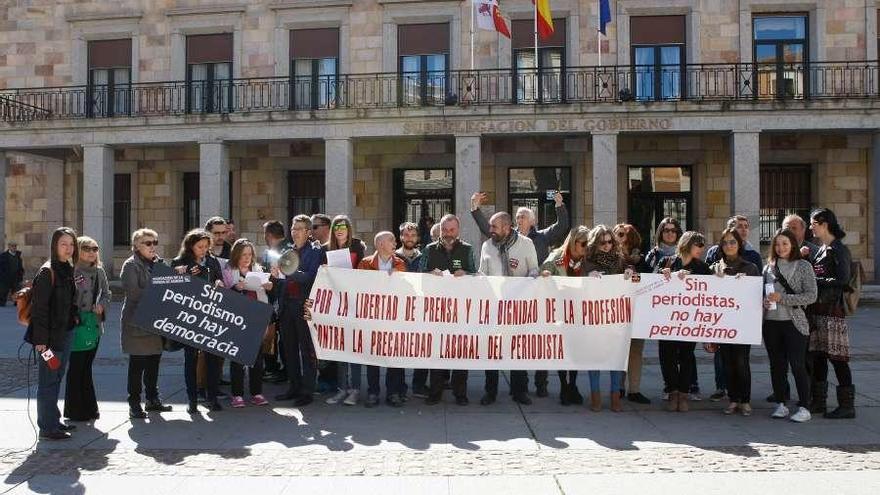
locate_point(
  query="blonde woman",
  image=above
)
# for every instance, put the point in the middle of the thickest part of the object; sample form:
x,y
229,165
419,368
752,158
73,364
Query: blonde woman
x,y
92,299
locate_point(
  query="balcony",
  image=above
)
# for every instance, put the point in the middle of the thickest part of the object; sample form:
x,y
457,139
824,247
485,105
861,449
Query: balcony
x,y
601,84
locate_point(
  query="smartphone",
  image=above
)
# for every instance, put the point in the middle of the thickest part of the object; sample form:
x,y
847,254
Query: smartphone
x,y
550,194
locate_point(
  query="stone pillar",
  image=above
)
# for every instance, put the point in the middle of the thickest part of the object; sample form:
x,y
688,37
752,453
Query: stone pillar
x,y
338,177
467,182
745,175
605,179
875,203
213,181
3,162
98,199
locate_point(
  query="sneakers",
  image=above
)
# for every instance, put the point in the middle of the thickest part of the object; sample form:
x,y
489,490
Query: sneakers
x,y
745,409
718,395
638,398
731,408
338,397
420,392
352,397
780,412
801,416
695,396
394,400
237,402
259,400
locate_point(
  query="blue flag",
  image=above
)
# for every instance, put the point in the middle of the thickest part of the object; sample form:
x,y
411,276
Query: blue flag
x,y
604,15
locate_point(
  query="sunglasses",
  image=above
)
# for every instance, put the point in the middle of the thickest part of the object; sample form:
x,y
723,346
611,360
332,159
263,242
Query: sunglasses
x,y
668,231
149,243
604,243
90,249
340,227
319,225
730,242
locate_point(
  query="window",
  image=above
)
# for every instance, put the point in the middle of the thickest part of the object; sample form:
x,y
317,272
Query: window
x,y
423,196
534,188
109,83
121,209
314,68
785,190
424,63
305,192
658,56
209,73
781,57
191,204
545,82
655,193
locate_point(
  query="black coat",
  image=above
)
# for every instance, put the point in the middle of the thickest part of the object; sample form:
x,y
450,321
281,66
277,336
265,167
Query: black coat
x,y
53,310
11,269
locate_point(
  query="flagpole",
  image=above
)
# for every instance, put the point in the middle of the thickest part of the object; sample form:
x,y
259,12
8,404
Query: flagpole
x,y
473,7
536,50
599,29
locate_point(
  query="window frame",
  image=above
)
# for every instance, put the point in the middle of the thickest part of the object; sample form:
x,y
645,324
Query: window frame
x,y
315,80
657,69
568,196
424,98
540,75
210,85
779,90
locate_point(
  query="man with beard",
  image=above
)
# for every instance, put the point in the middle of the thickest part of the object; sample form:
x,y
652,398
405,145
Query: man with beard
x,y
507,254
452,254
409,253
220,247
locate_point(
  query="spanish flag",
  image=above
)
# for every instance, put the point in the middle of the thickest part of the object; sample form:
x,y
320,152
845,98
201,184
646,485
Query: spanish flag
x,y
545,18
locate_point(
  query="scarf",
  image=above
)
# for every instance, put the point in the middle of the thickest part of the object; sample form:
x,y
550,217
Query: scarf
x,y
504,252
608,262
573,268
667,250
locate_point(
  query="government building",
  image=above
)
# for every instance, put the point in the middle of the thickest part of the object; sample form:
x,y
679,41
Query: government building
x,y
125,114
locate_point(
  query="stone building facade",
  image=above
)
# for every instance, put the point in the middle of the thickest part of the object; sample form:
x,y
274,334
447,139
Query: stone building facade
x,y
124,114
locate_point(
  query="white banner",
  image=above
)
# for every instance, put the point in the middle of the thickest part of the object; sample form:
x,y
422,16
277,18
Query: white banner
x,y
414,320
699,308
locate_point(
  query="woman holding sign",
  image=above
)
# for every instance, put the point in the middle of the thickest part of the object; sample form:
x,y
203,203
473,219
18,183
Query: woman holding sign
x,y
829,335
348,375
242,275
791,286
194,259
568,261
604,258
92,297
735,357
144,348
677,357
630,246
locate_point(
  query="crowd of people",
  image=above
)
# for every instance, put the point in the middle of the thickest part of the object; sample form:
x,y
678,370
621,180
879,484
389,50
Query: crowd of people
x,y
804,320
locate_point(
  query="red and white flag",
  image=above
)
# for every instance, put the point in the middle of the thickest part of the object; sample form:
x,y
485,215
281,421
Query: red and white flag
x,y
488,17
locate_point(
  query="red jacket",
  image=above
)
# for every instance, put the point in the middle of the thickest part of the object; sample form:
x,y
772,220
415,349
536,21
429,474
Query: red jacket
x,y
372,263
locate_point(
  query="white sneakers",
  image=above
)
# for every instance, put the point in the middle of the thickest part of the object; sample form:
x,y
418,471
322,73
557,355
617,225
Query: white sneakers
x,y
337,397
780,412
352,397
800,416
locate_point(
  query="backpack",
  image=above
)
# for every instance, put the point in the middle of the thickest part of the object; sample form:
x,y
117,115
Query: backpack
x,y
24,300
853,291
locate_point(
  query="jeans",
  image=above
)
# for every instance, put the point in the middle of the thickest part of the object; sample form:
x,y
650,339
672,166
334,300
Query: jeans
x,y
519,382
738,371
143,369
720,377
255,377
616,380
302,364
394,381
214,368
786,346
49,386
677,362
348,376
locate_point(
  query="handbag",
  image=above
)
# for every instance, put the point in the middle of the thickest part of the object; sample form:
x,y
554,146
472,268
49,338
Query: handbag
x,y
784,283
268,346
87,333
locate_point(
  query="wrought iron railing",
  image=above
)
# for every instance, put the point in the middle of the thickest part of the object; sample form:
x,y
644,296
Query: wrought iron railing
x,y
599,84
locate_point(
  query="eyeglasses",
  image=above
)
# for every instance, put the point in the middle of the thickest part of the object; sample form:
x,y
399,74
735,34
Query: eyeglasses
x,y
150,243
90,249
729,242
340,227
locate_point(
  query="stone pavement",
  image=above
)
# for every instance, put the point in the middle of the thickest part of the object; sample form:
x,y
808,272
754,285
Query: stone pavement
x,y
504,448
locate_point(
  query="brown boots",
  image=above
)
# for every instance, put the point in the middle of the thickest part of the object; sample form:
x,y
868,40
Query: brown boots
x,y
615,402
678,401
595,401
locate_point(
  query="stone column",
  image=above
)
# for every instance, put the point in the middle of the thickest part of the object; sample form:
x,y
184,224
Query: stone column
x,y
875,203
3,162
467,182
745,172
98,170
605,179
213,181
338,177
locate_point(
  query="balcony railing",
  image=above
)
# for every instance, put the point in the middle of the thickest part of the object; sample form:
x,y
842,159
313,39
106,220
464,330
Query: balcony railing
x,y
601,84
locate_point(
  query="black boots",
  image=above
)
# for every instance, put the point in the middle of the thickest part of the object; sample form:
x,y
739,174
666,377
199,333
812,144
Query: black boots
x,y
819,391
155,405
846,396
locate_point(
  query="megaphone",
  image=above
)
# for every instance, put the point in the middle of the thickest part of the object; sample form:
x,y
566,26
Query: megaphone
x,y
288,262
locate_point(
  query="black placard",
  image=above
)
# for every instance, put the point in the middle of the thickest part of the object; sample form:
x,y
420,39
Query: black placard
x,y
189,310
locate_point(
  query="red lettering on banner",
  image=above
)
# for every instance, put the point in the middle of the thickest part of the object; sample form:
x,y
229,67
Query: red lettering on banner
x,y
568,311
323,298
376,307
458,346
440,310
401,344
357,341
495,348
484,312
536,346
517,311
410,308
331,337
606,311
550,310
